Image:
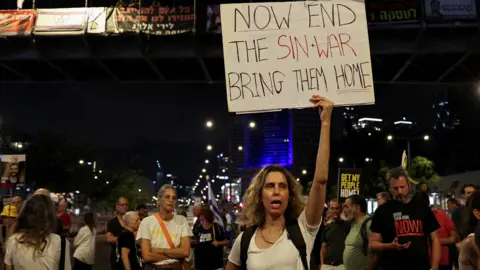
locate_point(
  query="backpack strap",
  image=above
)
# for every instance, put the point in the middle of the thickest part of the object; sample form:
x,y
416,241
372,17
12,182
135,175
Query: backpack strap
x,y
364,234
61,264
295,235
244,243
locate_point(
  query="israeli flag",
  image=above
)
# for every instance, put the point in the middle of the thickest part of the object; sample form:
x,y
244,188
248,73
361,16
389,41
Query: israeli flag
x,y
214,207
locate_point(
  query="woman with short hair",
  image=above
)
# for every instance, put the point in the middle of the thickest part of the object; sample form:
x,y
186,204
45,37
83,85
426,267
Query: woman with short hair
x,y
210,240
33,244
276,214
165,236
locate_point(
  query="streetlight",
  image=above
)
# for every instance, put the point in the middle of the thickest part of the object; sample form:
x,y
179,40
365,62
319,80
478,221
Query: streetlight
x,y
252,124
204,171
368,159
240,148
209,147
19,145
298,179
209,124
408,139
206,161
96,177
81,161
340,159
139,190
100,171
304,171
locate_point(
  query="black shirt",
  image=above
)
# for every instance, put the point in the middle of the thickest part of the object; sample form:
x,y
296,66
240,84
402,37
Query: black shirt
x,y
334,236
409,222
127,240
208,256
59,228
114,227
196,227
459,218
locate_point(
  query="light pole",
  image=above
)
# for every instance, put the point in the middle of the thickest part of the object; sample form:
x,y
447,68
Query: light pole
x,y
408,139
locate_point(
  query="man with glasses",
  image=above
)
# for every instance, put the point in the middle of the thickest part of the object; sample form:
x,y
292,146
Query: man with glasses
x,y
115,227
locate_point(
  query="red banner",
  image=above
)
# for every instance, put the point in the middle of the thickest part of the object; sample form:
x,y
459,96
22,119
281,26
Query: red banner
x,y
16,23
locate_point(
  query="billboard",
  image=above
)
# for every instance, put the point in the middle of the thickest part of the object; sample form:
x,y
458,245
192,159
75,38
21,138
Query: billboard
x,y
17,22
154,20
441,10
396,11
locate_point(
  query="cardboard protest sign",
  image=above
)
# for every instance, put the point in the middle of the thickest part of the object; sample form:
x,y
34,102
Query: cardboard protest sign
x,y
279,54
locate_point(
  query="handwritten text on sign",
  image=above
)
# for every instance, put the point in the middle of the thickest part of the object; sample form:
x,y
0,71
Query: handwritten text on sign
x,y
278,54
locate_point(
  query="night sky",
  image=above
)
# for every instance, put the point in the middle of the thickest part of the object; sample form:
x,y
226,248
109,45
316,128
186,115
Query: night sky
x,y
172,117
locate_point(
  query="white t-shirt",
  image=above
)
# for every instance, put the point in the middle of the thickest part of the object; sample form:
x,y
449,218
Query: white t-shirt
x,y
177,228
85,245
22,257
285,254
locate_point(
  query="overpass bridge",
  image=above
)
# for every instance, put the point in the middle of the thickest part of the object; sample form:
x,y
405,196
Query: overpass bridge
x,y
440,53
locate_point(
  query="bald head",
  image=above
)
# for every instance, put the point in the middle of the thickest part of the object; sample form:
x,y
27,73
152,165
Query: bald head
x,y
42,191
17,202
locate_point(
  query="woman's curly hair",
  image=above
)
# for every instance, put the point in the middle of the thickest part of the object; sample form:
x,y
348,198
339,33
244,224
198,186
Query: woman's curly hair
x,y
254,211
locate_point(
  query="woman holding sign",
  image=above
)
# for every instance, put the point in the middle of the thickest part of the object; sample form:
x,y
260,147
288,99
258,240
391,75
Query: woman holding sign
x,y
281,228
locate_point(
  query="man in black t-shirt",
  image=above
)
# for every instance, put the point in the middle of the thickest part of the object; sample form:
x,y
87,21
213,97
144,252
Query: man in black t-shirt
x,y
115,228
333,237
402,229
126,246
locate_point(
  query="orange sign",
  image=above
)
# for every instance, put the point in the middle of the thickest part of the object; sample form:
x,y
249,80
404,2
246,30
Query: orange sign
x,y
16,22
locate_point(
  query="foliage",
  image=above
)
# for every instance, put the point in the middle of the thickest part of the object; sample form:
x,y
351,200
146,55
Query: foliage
x,y
423,171
125,184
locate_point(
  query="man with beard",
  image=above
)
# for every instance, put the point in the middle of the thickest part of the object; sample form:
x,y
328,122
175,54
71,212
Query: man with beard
x,y
356,255
402,228
333,239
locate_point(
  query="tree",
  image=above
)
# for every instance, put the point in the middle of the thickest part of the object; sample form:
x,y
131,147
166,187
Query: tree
x,y
125,184
423,171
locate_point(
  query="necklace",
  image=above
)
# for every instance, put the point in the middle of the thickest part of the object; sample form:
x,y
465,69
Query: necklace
x,y
264,239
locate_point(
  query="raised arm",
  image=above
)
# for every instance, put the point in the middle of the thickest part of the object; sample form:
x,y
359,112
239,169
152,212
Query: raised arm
x,y
316,198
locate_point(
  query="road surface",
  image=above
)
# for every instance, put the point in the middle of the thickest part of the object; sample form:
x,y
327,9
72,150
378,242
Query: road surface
x,y
102,254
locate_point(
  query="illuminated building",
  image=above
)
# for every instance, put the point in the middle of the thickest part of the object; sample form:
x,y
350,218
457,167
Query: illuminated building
x,y
270,141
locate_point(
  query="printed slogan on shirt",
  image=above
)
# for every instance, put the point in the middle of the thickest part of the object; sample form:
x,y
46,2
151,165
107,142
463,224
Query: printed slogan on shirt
x,y
348,182
404,226
278,54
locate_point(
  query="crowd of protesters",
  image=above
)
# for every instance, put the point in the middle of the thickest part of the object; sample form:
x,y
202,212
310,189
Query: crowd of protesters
x,y
278,229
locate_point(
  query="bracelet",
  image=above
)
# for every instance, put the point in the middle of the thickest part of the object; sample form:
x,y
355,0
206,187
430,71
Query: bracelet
x,y
164,252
